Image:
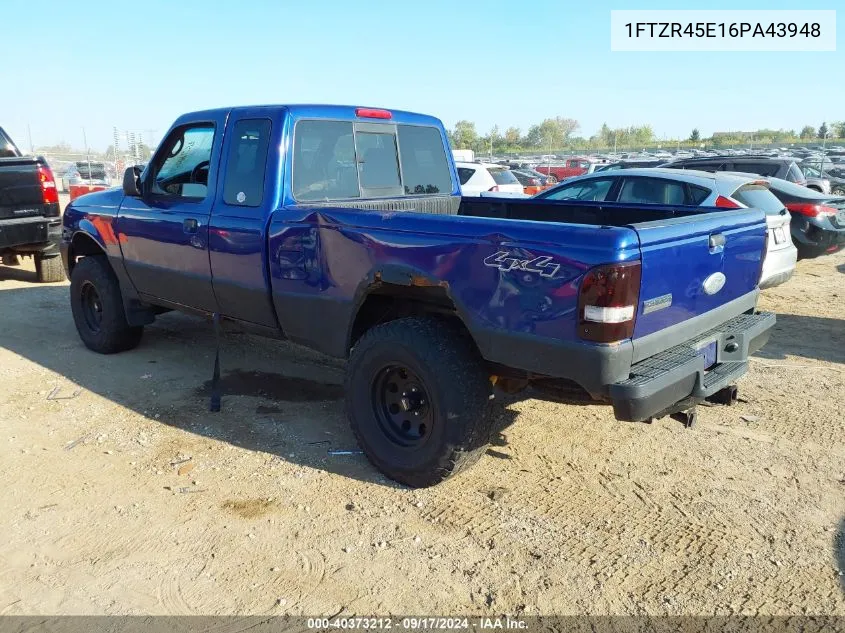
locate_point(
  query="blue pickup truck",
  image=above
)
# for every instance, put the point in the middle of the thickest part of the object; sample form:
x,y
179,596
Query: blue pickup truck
x,y
343,229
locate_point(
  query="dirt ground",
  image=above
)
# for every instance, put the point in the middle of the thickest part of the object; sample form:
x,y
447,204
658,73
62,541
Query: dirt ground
x,y
121,494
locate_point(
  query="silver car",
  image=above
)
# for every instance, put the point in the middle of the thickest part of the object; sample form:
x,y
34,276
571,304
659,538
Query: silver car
x,y
85,173
725,190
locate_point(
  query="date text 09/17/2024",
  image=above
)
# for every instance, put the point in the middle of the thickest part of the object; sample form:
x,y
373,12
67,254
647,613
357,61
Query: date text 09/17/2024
x,y
418,623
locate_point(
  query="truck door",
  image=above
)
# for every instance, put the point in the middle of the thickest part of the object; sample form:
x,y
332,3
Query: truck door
x,y
237,248
164,233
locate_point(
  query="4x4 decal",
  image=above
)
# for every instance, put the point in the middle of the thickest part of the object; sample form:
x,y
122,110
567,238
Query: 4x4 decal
x,y
506,262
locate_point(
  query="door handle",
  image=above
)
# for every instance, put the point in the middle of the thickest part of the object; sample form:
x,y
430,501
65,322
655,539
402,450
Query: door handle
x,y
190,225
717,243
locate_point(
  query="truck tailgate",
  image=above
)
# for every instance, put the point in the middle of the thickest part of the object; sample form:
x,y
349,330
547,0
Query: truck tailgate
x,y
20,188
692,265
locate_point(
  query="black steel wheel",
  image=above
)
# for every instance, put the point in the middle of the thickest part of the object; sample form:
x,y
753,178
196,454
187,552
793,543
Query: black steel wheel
x,y
97,307
417,397
402,406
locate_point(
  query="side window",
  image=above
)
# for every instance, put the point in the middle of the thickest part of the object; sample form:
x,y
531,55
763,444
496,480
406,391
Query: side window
x,y
651,191
246,163
593,190
425,167
464,174
794,174
760,168
697,194
180,167
324,161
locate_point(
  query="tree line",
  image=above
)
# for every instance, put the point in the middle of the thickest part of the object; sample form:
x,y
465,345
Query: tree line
x,y
562,133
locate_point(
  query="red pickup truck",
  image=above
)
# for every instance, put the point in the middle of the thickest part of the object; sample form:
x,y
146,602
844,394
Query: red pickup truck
x,y
567,168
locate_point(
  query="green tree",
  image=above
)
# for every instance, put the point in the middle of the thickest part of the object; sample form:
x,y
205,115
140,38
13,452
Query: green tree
x,y
464,136
808,131
695,137
605,135
823,131
839,128
534,137
512,136
556,132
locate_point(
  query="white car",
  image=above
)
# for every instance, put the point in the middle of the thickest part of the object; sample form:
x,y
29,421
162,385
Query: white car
x,y
689,187
481,178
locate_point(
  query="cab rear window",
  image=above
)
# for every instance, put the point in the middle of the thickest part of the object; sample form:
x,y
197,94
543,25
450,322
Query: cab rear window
x,y
333,160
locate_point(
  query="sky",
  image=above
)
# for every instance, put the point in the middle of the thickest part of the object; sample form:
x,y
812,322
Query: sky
x,y
66,66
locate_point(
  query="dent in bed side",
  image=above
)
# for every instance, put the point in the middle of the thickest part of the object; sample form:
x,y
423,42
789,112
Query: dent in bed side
x,y
327,262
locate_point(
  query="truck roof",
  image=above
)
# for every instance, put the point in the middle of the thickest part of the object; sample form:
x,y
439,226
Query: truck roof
x,y
322,111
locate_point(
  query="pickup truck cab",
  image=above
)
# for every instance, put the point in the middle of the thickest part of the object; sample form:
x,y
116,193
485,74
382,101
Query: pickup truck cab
x,y
29,212
343,229
567,168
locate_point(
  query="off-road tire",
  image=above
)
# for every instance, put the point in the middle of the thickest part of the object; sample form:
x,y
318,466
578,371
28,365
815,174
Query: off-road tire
x,y
49,269
458,389
114,334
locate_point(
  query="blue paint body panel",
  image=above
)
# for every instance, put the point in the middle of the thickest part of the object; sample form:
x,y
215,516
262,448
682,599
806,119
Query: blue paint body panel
x,y
304,270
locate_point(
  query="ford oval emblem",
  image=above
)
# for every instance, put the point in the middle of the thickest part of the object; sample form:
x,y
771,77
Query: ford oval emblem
x,y
714,283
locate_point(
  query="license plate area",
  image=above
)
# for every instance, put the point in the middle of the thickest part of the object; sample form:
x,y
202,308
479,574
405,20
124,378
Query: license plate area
x,y
707,349
780,235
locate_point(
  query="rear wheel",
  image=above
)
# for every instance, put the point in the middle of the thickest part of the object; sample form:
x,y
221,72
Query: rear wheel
x,y
97,308
49,269
417,397
838,191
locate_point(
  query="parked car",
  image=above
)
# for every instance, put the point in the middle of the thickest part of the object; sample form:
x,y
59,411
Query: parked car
x,y
627,164
476,178
781,252
270,225
818,220
829,180
85,173
785,168
724,190
30,225
566,169
531,184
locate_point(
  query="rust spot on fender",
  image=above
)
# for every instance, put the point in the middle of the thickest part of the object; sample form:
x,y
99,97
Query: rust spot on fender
x,y
425,282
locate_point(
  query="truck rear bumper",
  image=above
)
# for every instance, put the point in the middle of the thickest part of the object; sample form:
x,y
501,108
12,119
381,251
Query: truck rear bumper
x,y
31,235
658,383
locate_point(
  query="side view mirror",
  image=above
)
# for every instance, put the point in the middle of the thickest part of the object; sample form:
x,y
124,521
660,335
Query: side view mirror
x,y
132,181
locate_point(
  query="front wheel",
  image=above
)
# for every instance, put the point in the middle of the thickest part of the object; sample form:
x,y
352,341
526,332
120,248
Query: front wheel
x,y
97,307
417,398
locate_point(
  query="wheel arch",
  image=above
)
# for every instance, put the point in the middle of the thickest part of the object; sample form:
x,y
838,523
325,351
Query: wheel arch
x,y
397,292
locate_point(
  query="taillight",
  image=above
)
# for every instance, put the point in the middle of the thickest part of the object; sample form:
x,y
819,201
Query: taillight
x,y
49,193
373,113
811,210
607,302
763,258
726,203
494,188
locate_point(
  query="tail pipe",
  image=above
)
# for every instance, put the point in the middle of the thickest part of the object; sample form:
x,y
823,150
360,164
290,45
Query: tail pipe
x,y
727,396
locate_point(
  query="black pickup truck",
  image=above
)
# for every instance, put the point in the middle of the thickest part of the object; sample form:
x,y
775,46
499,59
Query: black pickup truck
x,y
30,222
